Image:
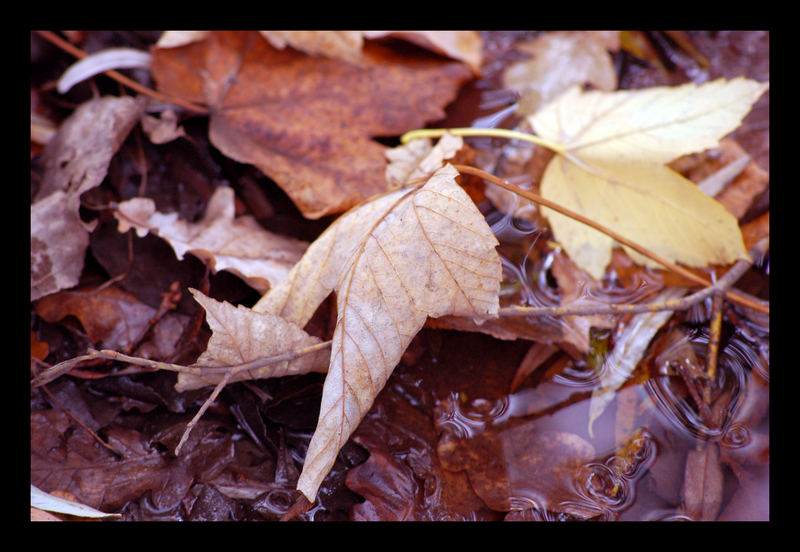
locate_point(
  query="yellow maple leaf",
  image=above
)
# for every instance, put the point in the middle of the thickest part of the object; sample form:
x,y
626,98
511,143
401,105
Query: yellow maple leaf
x,y
611,169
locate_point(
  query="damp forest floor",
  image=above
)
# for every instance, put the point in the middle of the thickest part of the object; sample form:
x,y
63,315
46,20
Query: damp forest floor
x,y
485,424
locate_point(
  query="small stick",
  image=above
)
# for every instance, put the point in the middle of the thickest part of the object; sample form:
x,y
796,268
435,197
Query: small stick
x,y
489,132
715,328
220,386
684,303
78,421
65,366
119,77
621,239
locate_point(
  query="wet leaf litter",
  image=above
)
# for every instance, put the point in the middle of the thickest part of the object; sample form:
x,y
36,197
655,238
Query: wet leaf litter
x,y
668,409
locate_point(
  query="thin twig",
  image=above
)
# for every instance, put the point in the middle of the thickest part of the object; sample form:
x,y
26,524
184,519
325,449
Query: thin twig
x,y
684,303
488,132
67,365
220,386
78,421
120,78
715,328
733,296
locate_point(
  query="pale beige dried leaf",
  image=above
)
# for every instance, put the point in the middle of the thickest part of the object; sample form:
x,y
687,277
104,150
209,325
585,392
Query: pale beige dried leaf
x,y
558,61
173,39
162,129
419,158
344,45
393,262
466,46
76,159
241,335
58,244
235,244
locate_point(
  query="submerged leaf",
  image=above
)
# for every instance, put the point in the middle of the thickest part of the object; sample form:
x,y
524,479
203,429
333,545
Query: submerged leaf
x,y
407,255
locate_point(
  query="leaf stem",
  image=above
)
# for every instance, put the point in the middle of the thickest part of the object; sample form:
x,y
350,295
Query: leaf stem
x,y
488,132
722,285
731,295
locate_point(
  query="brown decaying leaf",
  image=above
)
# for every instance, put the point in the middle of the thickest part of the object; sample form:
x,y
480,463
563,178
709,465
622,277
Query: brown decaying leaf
x,y
308,122
241,335
462,45
403,479
703,483
236,244
111,317
407,255
344,45
66,458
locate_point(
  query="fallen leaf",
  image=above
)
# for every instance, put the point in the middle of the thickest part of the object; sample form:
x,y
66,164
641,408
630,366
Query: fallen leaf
x,y
579,289
559,60
162,129
403,479
236,244
612,170
419,158
240,335
75,160
344,45
58,244
703,483
465,46
308,122
629,348
52,503
110,316
741,188
394,261
99,62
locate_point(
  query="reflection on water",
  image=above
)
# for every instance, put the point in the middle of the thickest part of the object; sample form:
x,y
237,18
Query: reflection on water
x,y
528,453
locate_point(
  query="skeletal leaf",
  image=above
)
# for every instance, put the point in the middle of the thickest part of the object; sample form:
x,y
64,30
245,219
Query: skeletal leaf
x,y
393,262
612,170
241,335
236,244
